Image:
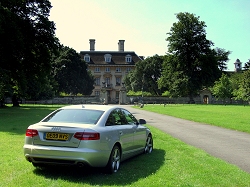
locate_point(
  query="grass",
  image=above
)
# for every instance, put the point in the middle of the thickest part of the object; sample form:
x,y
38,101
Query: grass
x,y
234,117
172,163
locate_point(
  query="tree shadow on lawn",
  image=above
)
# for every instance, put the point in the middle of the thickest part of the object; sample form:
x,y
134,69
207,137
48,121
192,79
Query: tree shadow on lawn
x,y
15,120
130,171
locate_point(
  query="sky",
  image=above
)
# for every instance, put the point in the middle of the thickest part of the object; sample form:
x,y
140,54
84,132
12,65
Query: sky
x,y
144,24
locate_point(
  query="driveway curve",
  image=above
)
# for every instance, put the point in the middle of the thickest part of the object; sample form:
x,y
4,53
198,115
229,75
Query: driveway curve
x,y
229,145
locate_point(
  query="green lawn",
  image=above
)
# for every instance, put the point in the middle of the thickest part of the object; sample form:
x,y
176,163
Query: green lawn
x,y
234,117
172,163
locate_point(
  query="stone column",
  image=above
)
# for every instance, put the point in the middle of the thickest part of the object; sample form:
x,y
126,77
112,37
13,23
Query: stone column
x,y
122,96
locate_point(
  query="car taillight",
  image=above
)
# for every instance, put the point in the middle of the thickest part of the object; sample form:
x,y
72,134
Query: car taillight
x,y
87,135
31,132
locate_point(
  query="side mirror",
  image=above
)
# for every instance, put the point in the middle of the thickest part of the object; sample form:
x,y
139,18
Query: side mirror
x,y
142,121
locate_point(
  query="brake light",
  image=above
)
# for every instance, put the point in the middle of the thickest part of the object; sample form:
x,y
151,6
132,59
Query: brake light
x,y
87,135
31,132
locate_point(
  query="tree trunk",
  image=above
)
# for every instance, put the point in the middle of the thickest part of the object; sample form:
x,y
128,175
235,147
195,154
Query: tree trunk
x,y
2,103
15,101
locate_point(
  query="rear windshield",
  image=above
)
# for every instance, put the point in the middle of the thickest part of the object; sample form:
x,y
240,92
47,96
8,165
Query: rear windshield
x,y
82,116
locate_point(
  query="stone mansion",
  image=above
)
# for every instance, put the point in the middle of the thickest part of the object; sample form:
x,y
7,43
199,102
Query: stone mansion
x,y
109,69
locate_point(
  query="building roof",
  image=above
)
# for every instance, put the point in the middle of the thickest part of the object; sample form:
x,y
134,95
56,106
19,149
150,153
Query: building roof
x,y
118,57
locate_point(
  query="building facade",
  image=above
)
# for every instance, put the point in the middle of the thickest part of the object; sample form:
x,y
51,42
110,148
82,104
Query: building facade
x,y
109,69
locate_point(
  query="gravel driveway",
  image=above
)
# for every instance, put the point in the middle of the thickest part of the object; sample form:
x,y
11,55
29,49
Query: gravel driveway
x,y
229,145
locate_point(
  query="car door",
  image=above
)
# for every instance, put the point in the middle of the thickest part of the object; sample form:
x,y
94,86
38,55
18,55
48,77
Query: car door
x,y
138,130
124,131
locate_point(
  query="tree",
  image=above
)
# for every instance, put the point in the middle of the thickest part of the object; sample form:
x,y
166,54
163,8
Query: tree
x,y
72,74
247,65
27,43
173,81
222,88
4,82
243,91
191,63
145,76
222,58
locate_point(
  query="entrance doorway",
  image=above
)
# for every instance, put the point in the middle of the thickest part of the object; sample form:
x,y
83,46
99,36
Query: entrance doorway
x,y
205,99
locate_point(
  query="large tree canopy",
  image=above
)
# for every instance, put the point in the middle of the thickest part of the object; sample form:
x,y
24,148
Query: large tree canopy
x,y
27,42
145,75
191,63
72,74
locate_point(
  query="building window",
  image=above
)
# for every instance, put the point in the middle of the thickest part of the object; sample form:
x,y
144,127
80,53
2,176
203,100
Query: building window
x,y
107,58
97,81
118,81
107,80
128,58
118,69
97,69
117,94
107,69
86,58
97,93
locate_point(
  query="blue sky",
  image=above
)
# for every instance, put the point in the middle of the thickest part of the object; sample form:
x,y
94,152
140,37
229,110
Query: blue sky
x,y
144,24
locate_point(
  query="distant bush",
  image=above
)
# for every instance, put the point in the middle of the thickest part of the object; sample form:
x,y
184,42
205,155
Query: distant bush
x,y
166,93
139,93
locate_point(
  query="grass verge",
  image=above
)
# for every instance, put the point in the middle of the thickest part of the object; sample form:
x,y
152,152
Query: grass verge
x,y
234,117
172,163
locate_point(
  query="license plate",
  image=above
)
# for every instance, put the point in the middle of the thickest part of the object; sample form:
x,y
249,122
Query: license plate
x,y
56,136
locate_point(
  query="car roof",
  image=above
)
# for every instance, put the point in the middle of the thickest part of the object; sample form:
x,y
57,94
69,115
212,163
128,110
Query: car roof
x,y
91,106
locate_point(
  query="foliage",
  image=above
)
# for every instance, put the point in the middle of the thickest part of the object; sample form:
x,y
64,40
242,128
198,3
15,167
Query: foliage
x,y
138,93
247,65
40,88
235,79
131,82
4,85
166,93
222,88
145,75
72,74
27,43
222,58
173,80
243,92
191,63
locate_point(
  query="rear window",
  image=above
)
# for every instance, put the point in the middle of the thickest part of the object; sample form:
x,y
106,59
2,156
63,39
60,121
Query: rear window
x,y
74,116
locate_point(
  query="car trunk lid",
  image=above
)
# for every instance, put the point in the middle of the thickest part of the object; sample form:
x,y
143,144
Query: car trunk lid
x,y
57,134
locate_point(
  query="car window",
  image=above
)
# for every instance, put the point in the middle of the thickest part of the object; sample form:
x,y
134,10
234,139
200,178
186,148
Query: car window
x,y
122,117
116,117
75,116
129,117
111,120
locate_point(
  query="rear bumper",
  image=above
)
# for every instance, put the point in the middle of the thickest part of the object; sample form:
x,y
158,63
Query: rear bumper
x,y
66,155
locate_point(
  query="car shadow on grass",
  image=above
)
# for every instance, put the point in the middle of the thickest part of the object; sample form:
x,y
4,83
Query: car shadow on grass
x,y
130,171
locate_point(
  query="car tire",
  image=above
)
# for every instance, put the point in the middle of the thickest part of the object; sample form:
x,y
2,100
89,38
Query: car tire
x,y
114,160
149,144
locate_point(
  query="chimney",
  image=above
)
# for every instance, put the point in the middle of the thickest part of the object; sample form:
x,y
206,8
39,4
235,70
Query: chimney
x,y
121,45
92,44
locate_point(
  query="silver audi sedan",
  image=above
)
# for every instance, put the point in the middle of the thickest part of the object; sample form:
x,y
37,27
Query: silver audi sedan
x,y
93,135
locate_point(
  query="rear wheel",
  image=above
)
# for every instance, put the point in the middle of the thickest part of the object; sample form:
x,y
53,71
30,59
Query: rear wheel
x,y
114,160
149,144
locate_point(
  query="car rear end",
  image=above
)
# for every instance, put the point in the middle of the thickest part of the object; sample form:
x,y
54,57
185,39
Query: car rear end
x,y
65,143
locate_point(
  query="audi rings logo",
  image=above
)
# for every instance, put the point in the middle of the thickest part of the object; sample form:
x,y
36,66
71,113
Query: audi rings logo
x,y
56,129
